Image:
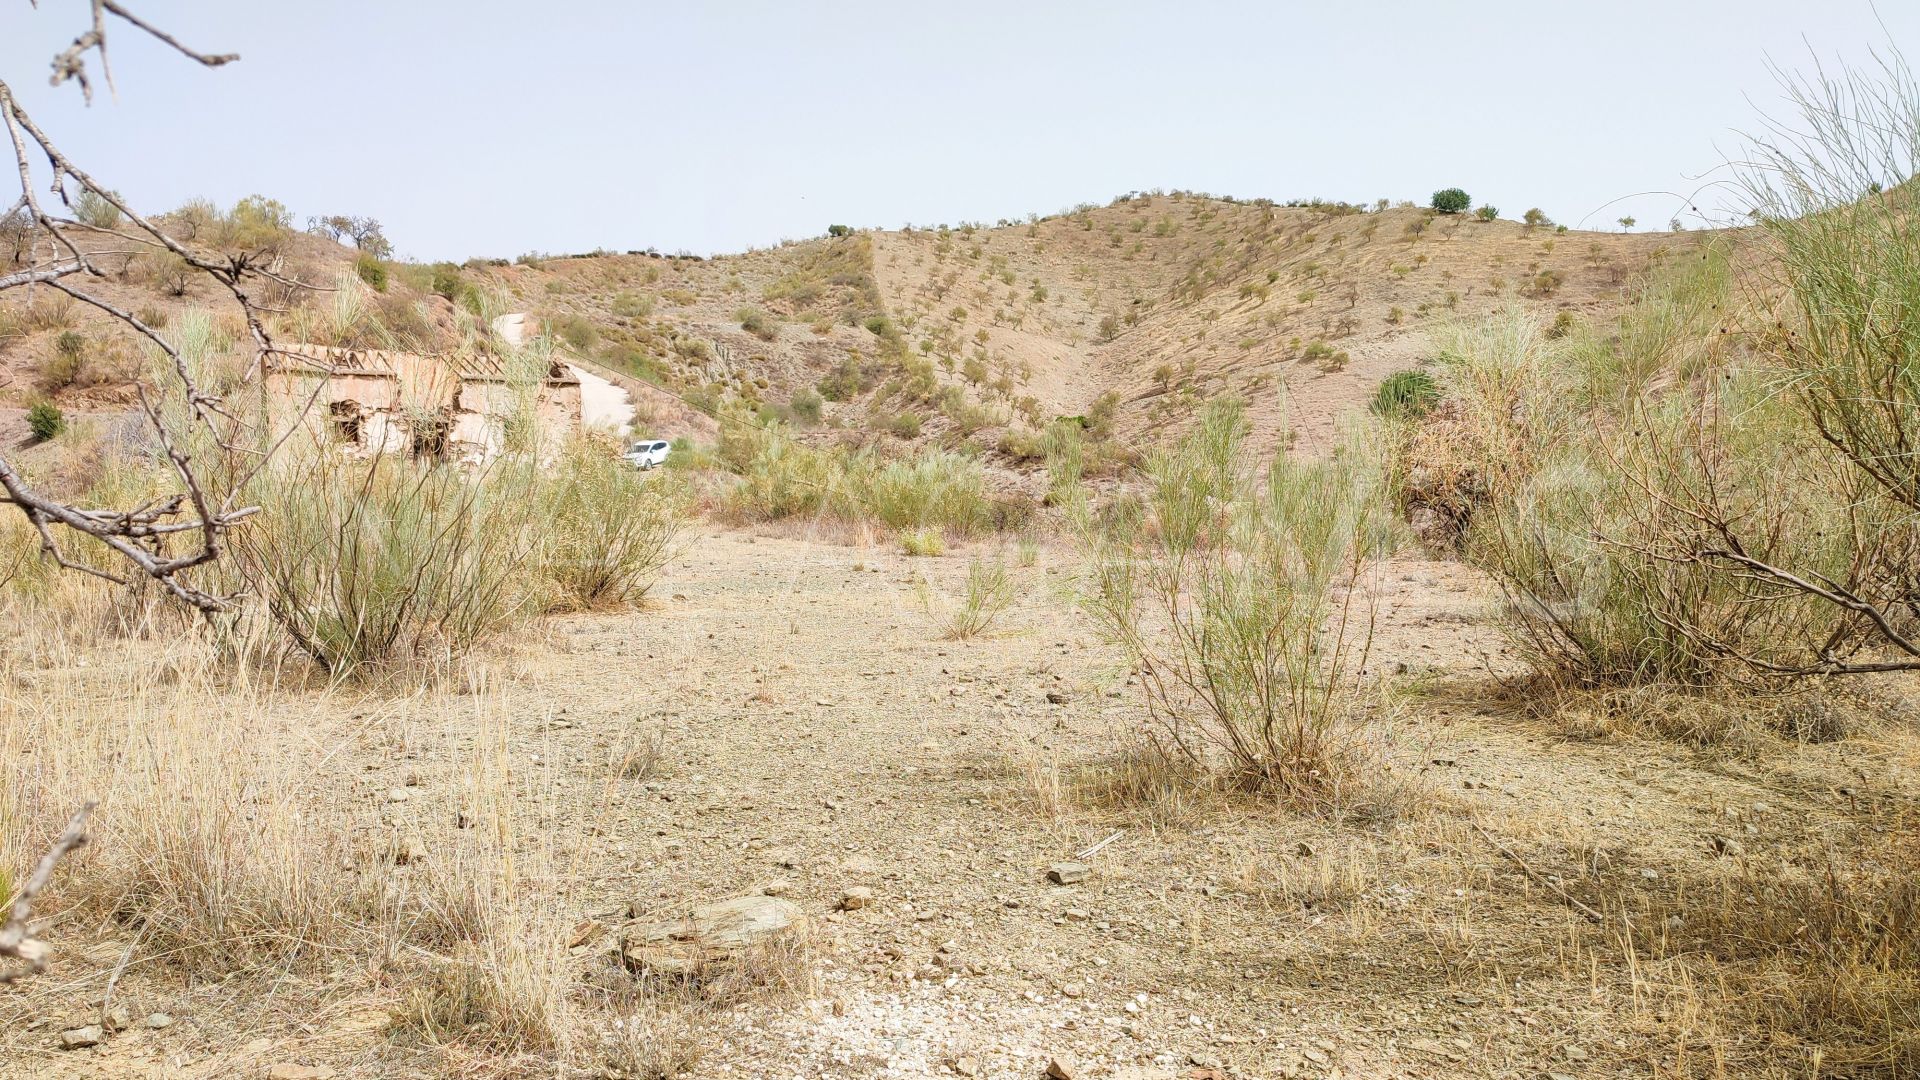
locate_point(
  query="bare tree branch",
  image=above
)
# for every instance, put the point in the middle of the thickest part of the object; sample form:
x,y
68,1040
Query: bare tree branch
x,y
58,257
16,935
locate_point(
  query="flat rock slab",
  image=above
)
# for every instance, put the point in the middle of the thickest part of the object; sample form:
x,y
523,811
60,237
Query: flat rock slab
x,y
709,934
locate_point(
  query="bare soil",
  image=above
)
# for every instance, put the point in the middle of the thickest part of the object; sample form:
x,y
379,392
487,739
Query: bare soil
x,y
819,733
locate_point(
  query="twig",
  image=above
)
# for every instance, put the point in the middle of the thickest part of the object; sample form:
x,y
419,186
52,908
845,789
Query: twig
x,y
1590,914
16,940
1095,849
120,969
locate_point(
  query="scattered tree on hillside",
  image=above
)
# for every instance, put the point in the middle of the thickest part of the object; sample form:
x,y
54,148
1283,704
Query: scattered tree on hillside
x,y
837,231
1451,200
363,232
1626,222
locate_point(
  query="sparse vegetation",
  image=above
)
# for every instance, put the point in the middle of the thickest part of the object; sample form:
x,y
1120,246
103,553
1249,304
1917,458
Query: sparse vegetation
x,y
1226,590
45,421
1451,201
986,595
1406,395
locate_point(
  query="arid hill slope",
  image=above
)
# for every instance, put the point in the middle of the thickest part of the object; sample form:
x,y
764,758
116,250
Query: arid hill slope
x,y
1159,300
1130,314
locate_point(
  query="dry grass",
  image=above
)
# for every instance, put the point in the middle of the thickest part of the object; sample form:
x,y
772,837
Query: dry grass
x,y
981,599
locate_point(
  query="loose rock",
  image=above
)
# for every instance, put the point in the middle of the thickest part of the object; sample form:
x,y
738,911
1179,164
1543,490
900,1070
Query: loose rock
x,y
709,934
1067,873
856,898
81,1037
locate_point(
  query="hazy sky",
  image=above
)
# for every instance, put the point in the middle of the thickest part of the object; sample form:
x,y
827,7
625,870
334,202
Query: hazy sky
x,y
487,127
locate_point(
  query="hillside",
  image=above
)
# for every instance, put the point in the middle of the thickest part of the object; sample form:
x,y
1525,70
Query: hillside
x,y
1160,300
1130,314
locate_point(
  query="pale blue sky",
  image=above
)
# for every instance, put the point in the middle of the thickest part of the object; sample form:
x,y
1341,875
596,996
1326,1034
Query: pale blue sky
x,y
489,127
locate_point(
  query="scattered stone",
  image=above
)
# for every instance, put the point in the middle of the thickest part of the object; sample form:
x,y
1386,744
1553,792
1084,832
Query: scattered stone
x,y
709,934
1573,1053
1205,1061
408,849
1055,697
856,898
1303,849
1729,847
81,1037
1072,990
776,887
290,1071
398,794
1062,1068
1067,873
119,1019
966,1066
160,1020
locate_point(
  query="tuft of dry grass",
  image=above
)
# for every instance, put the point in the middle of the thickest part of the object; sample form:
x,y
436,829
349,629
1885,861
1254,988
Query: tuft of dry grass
x,y
986,595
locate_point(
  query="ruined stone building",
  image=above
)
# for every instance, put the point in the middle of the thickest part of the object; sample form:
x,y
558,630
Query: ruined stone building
x,y
459,407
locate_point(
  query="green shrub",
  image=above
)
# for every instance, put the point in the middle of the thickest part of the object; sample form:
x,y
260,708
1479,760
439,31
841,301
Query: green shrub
x,y
986,595
447,281
92,208
368,561
758,323
1544,284
905,425
806,406
372,271
923,543
933,489
1536,217
1487,213
45,420
1451,200
1578,456
1406,395
577,331
837,231
609,529
847,381
779,476
632,306
1225,587
256,223
68,363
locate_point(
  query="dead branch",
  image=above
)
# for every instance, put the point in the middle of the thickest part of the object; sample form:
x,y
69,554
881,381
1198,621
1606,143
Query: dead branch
x,y
16,936
57,260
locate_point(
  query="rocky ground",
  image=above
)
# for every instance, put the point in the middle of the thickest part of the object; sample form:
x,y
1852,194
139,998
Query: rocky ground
x,y
914,799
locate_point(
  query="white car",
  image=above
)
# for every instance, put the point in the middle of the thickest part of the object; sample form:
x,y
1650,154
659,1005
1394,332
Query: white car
x,y
646,455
